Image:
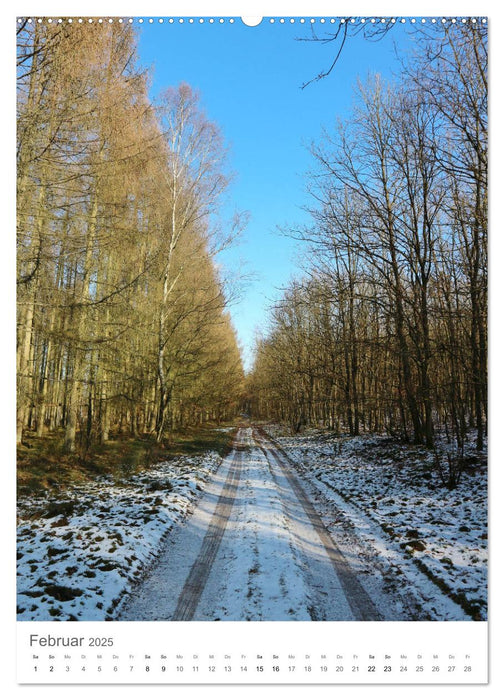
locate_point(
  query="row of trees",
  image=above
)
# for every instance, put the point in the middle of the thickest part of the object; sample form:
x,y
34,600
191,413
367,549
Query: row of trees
x,y
121,321
388,328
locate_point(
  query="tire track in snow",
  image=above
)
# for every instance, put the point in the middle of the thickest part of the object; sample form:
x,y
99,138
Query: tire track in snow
x,y
358,599
200,571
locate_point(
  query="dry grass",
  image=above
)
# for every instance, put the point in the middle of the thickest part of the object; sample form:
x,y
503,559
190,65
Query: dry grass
x,y
43,464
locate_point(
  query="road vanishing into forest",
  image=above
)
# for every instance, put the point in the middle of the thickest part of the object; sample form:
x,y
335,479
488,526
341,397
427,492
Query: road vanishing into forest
x,y
255,548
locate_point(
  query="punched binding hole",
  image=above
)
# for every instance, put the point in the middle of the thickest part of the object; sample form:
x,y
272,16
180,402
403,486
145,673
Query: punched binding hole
x,y
251,21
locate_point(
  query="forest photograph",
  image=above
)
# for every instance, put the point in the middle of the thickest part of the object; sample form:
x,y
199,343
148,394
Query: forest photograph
x,y
252,318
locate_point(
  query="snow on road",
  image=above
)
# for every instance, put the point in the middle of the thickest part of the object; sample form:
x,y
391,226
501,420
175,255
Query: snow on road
x,y
260,571
274,560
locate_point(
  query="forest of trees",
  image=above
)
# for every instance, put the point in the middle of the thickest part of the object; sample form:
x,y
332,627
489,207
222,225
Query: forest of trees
x,y
122,324
387,328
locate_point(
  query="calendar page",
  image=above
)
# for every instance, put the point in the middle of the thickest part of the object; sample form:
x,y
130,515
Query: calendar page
x,y
252,342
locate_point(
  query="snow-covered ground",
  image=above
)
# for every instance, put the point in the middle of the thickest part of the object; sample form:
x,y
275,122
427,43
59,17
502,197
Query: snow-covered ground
x,y
80,551
416,548
432,539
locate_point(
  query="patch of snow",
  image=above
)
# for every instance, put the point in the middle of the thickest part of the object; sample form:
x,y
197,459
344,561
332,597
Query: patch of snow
x,y
393,499
81,550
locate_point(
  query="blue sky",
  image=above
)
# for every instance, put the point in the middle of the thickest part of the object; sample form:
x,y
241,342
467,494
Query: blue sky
x,y
249,79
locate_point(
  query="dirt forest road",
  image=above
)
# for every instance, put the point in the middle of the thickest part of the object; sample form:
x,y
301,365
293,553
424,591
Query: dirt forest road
x,y
256,548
